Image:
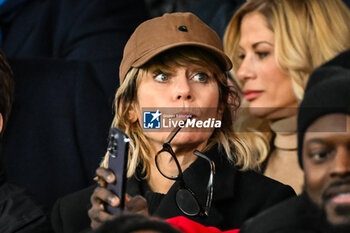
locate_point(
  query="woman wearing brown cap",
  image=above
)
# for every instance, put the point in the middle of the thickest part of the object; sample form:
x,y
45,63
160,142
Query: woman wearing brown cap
x,y
274,46
175,66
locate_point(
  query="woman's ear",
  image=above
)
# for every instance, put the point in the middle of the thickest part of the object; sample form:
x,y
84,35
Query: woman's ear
x,y
132,114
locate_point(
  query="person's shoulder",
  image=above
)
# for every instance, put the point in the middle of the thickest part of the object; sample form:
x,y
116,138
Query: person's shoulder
x,y
251,183
287,216
70,213
15,200
260,189
19,211
78,197
252,178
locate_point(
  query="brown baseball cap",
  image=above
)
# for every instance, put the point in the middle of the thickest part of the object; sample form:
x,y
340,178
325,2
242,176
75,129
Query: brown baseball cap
x,y
157,35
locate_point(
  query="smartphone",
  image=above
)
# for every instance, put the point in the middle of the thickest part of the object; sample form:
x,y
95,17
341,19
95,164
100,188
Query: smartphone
x,y
118,148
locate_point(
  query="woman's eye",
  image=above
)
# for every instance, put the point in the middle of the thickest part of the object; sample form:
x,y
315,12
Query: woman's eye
x,y
161,77
262,55
200,77
241,57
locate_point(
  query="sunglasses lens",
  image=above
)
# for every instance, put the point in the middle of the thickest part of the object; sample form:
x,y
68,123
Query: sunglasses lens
x,y
187,202
167,165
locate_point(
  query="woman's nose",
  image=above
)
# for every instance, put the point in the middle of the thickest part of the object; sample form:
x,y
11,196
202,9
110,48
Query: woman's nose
x,y
183,89
246,70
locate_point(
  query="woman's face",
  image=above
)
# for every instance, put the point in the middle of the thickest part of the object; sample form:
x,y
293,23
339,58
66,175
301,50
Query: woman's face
x,y
265,86
185,90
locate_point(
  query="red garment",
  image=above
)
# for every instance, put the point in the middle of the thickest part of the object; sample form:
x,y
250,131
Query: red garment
x,y
188,226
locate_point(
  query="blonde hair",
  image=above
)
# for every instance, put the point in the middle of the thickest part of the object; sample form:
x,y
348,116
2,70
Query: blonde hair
x,y
236,149
307,34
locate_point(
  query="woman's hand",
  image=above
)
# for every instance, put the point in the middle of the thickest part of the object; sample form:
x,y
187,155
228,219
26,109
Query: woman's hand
x,y
102,196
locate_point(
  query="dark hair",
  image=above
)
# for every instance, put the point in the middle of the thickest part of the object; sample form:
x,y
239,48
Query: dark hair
x,y
128,223
6,89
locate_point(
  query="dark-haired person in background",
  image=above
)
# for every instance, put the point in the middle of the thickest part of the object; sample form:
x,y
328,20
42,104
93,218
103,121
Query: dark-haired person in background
x,y
324,155
18,213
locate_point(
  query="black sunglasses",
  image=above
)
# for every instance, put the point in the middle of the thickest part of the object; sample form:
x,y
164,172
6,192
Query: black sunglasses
x,y
186,199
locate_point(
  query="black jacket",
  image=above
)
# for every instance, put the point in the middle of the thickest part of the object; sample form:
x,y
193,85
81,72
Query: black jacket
x,y
296,215
19,214
237,196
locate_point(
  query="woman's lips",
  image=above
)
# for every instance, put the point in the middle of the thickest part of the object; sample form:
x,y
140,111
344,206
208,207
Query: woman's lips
x,y
250,95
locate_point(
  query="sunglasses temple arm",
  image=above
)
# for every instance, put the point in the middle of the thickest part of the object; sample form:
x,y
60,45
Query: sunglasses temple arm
x,y
173,134
175,131
210,182
201,155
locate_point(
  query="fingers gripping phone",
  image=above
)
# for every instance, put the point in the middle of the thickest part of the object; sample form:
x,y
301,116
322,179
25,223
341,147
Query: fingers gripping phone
x,y
118,148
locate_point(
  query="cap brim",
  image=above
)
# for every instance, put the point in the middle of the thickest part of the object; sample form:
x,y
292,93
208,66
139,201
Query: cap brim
x,y
225,62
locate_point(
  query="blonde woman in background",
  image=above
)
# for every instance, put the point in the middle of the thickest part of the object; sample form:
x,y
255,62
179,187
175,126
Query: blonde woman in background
x,y
274,46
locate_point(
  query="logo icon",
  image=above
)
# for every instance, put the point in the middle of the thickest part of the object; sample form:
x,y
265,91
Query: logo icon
x,y
151,120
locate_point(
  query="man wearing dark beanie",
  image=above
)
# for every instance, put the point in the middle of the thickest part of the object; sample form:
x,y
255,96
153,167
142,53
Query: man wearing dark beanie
x,y
324,155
